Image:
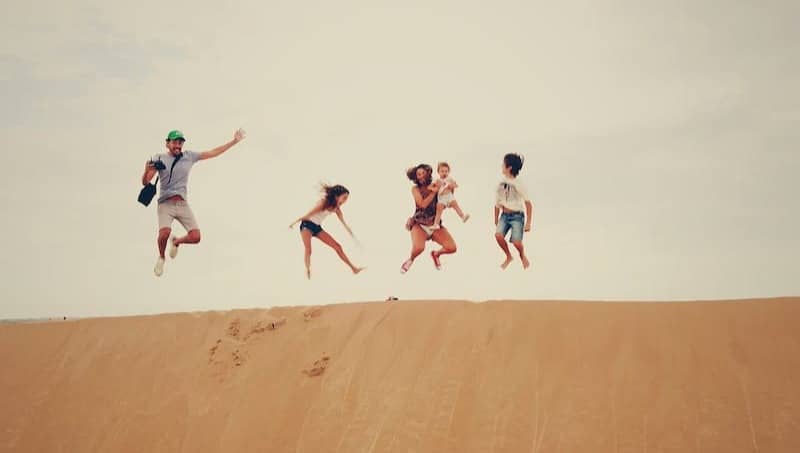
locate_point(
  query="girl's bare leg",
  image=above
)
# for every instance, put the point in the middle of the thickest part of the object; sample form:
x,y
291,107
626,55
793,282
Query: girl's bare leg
x,y
306,235
331,242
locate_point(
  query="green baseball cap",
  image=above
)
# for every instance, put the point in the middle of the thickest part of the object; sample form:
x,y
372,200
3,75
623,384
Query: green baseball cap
x,y
175,135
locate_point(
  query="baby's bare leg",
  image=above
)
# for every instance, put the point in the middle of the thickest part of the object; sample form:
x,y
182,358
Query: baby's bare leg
x,y
457,208
439,210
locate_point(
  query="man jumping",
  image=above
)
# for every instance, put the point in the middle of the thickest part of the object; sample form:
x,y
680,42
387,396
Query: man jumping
x,y
173,169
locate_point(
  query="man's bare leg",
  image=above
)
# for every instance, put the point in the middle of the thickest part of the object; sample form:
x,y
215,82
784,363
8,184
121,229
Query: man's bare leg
x,y
163,236
192,237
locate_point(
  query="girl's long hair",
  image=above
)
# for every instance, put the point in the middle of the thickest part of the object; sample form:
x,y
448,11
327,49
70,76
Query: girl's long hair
x,y
412,174
331,193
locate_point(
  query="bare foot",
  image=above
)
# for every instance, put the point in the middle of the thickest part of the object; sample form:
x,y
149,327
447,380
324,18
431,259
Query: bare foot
x,y
525,262
356,270
508,261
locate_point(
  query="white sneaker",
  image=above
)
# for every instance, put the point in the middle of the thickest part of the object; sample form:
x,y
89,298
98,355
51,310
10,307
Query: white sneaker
x,y
159,269
173,249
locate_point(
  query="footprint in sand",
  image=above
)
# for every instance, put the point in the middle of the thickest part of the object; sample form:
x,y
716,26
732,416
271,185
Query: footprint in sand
x,y
234,331
318,368
262,326
233,328
213,351
312,312
238,358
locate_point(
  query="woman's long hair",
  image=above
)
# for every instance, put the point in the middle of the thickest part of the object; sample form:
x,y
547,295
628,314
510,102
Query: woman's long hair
x,y
331,194
412,175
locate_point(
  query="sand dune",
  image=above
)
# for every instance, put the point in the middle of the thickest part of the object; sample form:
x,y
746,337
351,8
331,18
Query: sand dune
x,y
411,377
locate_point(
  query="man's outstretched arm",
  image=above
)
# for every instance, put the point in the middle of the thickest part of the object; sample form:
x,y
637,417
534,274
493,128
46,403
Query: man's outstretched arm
x,y
237,137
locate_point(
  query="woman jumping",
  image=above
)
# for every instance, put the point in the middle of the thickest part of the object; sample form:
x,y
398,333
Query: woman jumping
x,y
311,224
424,192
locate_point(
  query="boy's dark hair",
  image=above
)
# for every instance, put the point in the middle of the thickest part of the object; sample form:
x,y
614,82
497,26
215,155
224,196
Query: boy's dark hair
x,y
331,193
514,162
442,164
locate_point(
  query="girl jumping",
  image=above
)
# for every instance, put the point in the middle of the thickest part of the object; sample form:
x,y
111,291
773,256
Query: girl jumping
x,y
311,224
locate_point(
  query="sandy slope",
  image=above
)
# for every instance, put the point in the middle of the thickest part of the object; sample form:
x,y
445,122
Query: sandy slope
x,y
411,377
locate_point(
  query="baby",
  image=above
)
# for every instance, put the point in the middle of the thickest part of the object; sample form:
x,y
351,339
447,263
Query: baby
x,y
447,199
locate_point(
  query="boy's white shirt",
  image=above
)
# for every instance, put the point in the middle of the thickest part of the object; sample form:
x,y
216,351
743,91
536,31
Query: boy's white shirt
x,y
512,194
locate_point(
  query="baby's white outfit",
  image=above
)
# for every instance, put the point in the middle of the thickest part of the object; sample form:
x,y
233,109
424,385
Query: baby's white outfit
x,y
446,198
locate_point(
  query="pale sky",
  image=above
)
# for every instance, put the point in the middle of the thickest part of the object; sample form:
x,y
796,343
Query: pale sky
x,y
661,146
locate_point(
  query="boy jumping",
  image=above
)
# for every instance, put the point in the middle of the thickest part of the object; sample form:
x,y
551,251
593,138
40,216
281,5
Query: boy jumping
x,y
511,198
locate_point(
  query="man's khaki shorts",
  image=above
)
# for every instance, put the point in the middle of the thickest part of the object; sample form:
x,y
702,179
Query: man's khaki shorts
x,y
176,210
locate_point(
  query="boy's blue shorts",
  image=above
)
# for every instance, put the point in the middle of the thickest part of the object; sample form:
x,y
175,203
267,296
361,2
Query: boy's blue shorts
x,y
514,221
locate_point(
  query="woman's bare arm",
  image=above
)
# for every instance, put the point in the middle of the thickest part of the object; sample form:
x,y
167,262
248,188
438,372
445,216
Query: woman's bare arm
x,y
422,202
